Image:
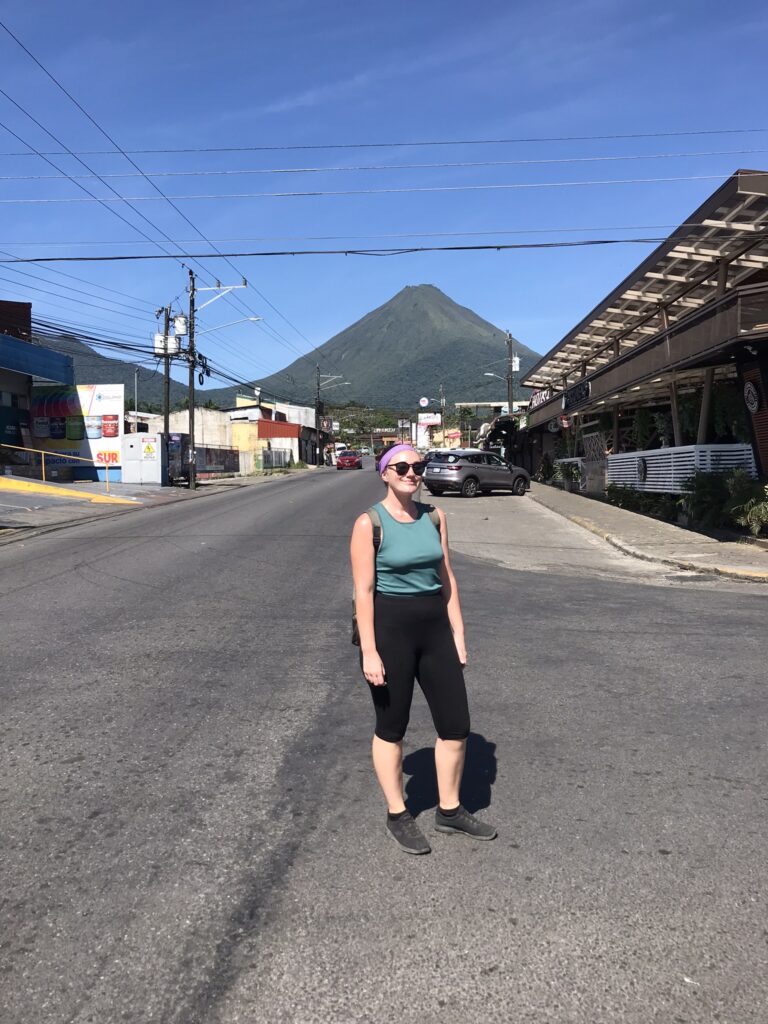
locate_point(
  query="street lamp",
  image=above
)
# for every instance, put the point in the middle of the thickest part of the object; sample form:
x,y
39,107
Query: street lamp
x,y
245,320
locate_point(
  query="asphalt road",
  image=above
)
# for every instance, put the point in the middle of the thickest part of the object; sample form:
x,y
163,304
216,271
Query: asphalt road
x,y
191,833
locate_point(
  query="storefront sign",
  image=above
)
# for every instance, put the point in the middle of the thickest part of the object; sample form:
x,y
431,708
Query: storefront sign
x,y
540,398
429,419
751,397
577,394
84,420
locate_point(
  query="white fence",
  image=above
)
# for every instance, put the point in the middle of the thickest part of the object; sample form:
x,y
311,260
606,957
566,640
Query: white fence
x,y
275,458
665,470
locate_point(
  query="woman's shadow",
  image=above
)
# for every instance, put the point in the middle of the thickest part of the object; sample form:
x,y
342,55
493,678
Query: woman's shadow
x,y
479,776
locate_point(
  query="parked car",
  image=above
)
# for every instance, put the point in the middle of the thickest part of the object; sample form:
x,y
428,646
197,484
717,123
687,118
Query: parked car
x,y
365,450
349,460
473,472
430,453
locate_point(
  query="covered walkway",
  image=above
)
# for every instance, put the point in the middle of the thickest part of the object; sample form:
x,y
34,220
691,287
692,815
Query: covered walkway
x,y
692,318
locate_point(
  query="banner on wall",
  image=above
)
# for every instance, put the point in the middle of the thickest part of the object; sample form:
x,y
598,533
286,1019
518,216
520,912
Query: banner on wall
x,y
84,420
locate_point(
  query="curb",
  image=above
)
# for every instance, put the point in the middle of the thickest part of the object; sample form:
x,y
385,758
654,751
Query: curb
x,y
743,575
19,533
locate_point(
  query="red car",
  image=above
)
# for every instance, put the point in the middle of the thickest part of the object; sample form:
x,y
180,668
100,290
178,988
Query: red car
x,y
349,460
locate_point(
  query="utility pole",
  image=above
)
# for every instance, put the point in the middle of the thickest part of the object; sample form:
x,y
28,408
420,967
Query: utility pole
x,y
166,376
442,415
318,451
323,384
191,359
136,400
511,361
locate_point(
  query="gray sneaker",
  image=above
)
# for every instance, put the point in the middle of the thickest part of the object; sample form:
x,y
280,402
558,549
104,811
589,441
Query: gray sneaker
x,y
407,834
464,823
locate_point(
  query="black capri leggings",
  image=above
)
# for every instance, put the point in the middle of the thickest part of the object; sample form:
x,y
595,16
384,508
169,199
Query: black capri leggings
x,y
415,641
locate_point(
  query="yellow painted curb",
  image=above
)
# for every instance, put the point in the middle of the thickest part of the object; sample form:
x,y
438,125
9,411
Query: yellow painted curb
x,y
55,491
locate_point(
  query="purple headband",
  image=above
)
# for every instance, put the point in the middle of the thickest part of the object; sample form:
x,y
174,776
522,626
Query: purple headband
x,y
398,448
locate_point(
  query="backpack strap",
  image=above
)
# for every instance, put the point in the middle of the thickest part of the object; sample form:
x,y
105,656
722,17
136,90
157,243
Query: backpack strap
x,y
375,518
433,514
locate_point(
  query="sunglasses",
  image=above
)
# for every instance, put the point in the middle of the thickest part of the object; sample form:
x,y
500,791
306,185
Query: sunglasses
x,y
401,468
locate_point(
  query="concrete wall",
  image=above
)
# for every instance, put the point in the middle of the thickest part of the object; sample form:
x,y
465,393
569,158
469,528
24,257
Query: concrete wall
x,y
212,426
216,427
297,414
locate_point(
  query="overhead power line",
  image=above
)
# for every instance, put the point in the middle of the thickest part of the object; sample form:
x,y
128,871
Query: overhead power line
x,y
388,234
231,300
311,194
354,168
272,332
488,247
399,144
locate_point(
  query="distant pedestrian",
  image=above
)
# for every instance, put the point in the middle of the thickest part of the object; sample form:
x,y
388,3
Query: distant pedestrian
x,y
410,625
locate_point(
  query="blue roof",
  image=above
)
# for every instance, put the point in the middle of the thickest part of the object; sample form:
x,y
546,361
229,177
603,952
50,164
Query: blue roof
x,y
22,357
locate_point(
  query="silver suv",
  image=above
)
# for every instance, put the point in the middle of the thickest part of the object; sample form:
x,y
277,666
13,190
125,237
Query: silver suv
x,y
473,472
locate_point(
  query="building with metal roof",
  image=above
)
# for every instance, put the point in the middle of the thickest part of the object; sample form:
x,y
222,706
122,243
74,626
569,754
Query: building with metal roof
x,y
692,317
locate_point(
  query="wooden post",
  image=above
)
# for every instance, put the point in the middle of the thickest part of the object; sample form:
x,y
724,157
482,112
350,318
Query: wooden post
x,y
706,401
677,435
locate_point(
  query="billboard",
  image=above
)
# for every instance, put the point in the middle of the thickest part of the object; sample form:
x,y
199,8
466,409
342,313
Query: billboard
x,y
84,420
429,419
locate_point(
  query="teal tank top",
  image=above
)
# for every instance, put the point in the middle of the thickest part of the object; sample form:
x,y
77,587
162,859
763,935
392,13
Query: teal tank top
x,y
409,556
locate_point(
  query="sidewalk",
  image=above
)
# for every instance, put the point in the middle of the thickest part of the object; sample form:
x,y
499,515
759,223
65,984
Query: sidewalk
x,y
53,507
654,541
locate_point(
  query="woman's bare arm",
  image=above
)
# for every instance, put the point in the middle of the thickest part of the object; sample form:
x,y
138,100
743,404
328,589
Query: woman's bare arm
x,y
451,592
363,558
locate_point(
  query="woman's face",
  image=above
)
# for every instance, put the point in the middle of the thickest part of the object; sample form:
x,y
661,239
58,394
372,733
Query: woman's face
x,y
402,485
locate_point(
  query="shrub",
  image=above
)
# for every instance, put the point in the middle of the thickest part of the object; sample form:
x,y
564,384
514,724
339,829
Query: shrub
x,y
720,500
706,498
545,471
642,428
753,513
660,506
567,471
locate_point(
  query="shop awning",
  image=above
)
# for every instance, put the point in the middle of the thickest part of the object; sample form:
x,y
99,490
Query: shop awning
x,y
35,361
719,246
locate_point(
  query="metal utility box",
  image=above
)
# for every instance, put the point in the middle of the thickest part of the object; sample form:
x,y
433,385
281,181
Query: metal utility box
x,y
145,459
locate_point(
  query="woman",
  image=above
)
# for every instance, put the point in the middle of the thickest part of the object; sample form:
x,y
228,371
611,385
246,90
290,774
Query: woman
x,y
410,625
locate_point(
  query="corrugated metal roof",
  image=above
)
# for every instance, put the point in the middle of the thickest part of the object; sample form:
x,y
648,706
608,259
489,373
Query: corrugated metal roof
x,y
269,429
720,244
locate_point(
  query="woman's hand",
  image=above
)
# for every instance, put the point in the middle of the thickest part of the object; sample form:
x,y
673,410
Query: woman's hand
x,y
461,648
373,669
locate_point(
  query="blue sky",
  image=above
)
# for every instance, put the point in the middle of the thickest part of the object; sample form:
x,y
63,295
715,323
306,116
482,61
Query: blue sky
x,y
172,75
